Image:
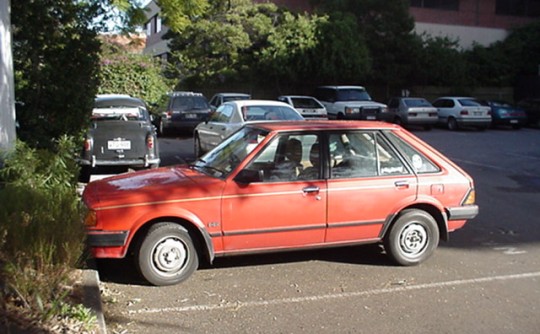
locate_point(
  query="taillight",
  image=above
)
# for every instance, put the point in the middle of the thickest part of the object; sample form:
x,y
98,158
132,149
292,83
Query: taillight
x,y
464,112
169,114
471,198
88,144
150,142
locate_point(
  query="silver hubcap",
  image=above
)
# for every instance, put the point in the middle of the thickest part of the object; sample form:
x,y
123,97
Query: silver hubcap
x,y
169,256
413,239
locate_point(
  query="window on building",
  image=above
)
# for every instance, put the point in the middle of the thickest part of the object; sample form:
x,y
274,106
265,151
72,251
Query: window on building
x,y
149,28
530,8
436,4
158,24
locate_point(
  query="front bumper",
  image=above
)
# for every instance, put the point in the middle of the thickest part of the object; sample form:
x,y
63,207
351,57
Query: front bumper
x,y
107,238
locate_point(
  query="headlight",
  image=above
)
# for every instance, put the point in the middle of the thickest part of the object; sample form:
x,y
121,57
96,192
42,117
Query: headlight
x,y
350,110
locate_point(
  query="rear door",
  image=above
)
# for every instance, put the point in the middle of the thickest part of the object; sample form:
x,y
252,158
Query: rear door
x,y
368,183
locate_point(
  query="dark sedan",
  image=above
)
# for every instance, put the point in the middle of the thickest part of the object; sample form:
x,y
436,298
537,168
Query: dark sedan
x,y
504,113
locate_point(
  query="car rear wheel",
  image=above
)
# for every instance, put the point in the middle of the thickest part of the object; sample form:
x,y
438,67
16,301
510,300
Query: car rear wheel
x,y
452,124
167,255
413,238
161,129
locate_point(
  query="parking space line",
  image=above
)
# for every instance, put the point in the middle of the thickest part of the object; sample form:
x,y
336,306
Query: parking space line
x,y
240,304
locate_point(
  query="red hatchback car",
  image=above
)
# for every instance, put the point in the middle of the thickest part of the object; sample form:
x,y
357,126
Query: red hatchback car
x,y
282,186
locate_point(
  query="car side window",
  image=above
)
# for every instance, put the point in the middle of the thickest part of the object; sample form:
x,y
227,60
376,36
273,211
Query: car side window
x,y
418,161
362,154
289,158
222,114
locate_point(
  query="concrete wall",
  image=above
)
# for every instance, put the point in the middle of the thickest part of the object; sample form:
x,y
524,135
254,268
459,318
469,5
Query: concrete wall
x,y
7,92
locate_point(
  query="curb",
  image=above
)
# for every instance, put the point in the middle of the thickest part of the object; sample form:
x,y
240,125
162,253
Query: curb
x,y
92,298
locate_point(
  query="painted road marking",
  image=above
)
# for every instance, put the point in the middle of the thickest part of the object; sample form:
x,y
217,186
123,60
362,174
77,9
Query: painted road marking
x,y
239,304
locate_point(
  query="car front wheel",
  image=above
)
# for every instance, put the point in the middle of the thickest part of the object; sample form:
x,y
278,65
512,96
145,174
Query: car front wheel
x,y
413,238
197,146
167,255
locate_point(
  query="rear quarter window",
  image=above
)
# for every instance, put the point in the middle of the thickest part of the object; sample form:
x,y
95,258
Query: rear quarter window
x,y
418,161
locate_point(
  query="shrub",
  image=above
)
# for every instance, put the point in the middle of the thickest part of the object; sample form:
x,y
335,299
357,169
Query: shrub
x,y
41,234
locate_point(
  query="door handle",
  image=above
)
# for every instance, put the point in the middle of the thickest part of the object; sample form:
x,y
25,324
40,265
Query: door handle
x,y
311,189
401,184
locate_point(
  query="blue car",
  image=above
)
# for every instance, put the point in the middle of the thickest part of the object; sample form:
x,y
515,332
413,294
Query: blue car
x,y
504,113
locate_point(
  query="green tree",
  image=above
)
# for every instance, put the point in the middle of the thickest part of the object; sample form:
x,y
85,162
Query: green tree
x,y
138,75
386,27
55,63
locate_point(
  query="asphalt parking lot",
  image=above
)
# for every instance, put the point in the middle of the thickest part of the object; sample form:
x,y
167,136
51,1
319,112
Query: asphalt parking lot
x,y
486,279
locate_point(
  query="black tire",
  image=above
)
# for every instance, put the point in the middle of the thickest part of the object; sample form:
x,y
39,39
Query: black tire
x,y
197,149
452,124
516,126
413,237
163,132
167,255
85,174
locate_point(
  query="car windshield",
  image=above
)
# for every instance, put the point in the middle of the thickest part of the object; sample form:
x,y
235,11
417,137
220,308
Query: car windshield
x,y
353,94
305,102
190,103
417,103
118,113
270,112
222,160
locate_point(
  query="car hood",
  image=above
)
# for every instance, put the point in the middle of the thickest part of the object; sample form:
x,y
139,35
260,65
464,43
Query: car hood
x,y
151,186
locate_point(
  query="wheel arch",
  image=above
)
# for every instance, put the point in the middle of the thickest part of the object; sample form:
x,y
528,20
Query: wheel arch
x,y
439,216
201,237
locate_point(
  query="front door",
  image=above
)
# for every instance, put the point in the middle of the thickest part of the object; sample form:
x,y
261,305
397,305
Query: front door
x,y
286,208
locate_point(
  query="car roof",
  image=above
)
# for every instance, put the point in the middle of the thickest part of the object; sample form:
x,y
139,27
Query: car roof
x,y
241,103
318,125
457,97
232,94
105,101
297,97
343,87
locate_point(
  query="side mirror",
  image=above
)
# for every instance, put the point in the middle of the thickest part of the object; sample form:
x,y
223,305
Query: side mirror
x,y
246,176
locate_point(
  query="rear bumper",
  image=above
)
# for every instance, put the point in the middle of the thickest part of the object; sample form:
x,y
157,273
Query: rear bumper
x,y
94,162
485,122
462,212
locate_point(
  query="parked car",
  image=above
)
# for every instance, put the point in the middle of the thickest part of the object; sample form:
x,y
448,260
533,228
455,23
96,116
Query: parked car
x,y
220,98
456,112
504,113
182,112
307,106
532,109
410,111
348,102
279,186
121,134
232,115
